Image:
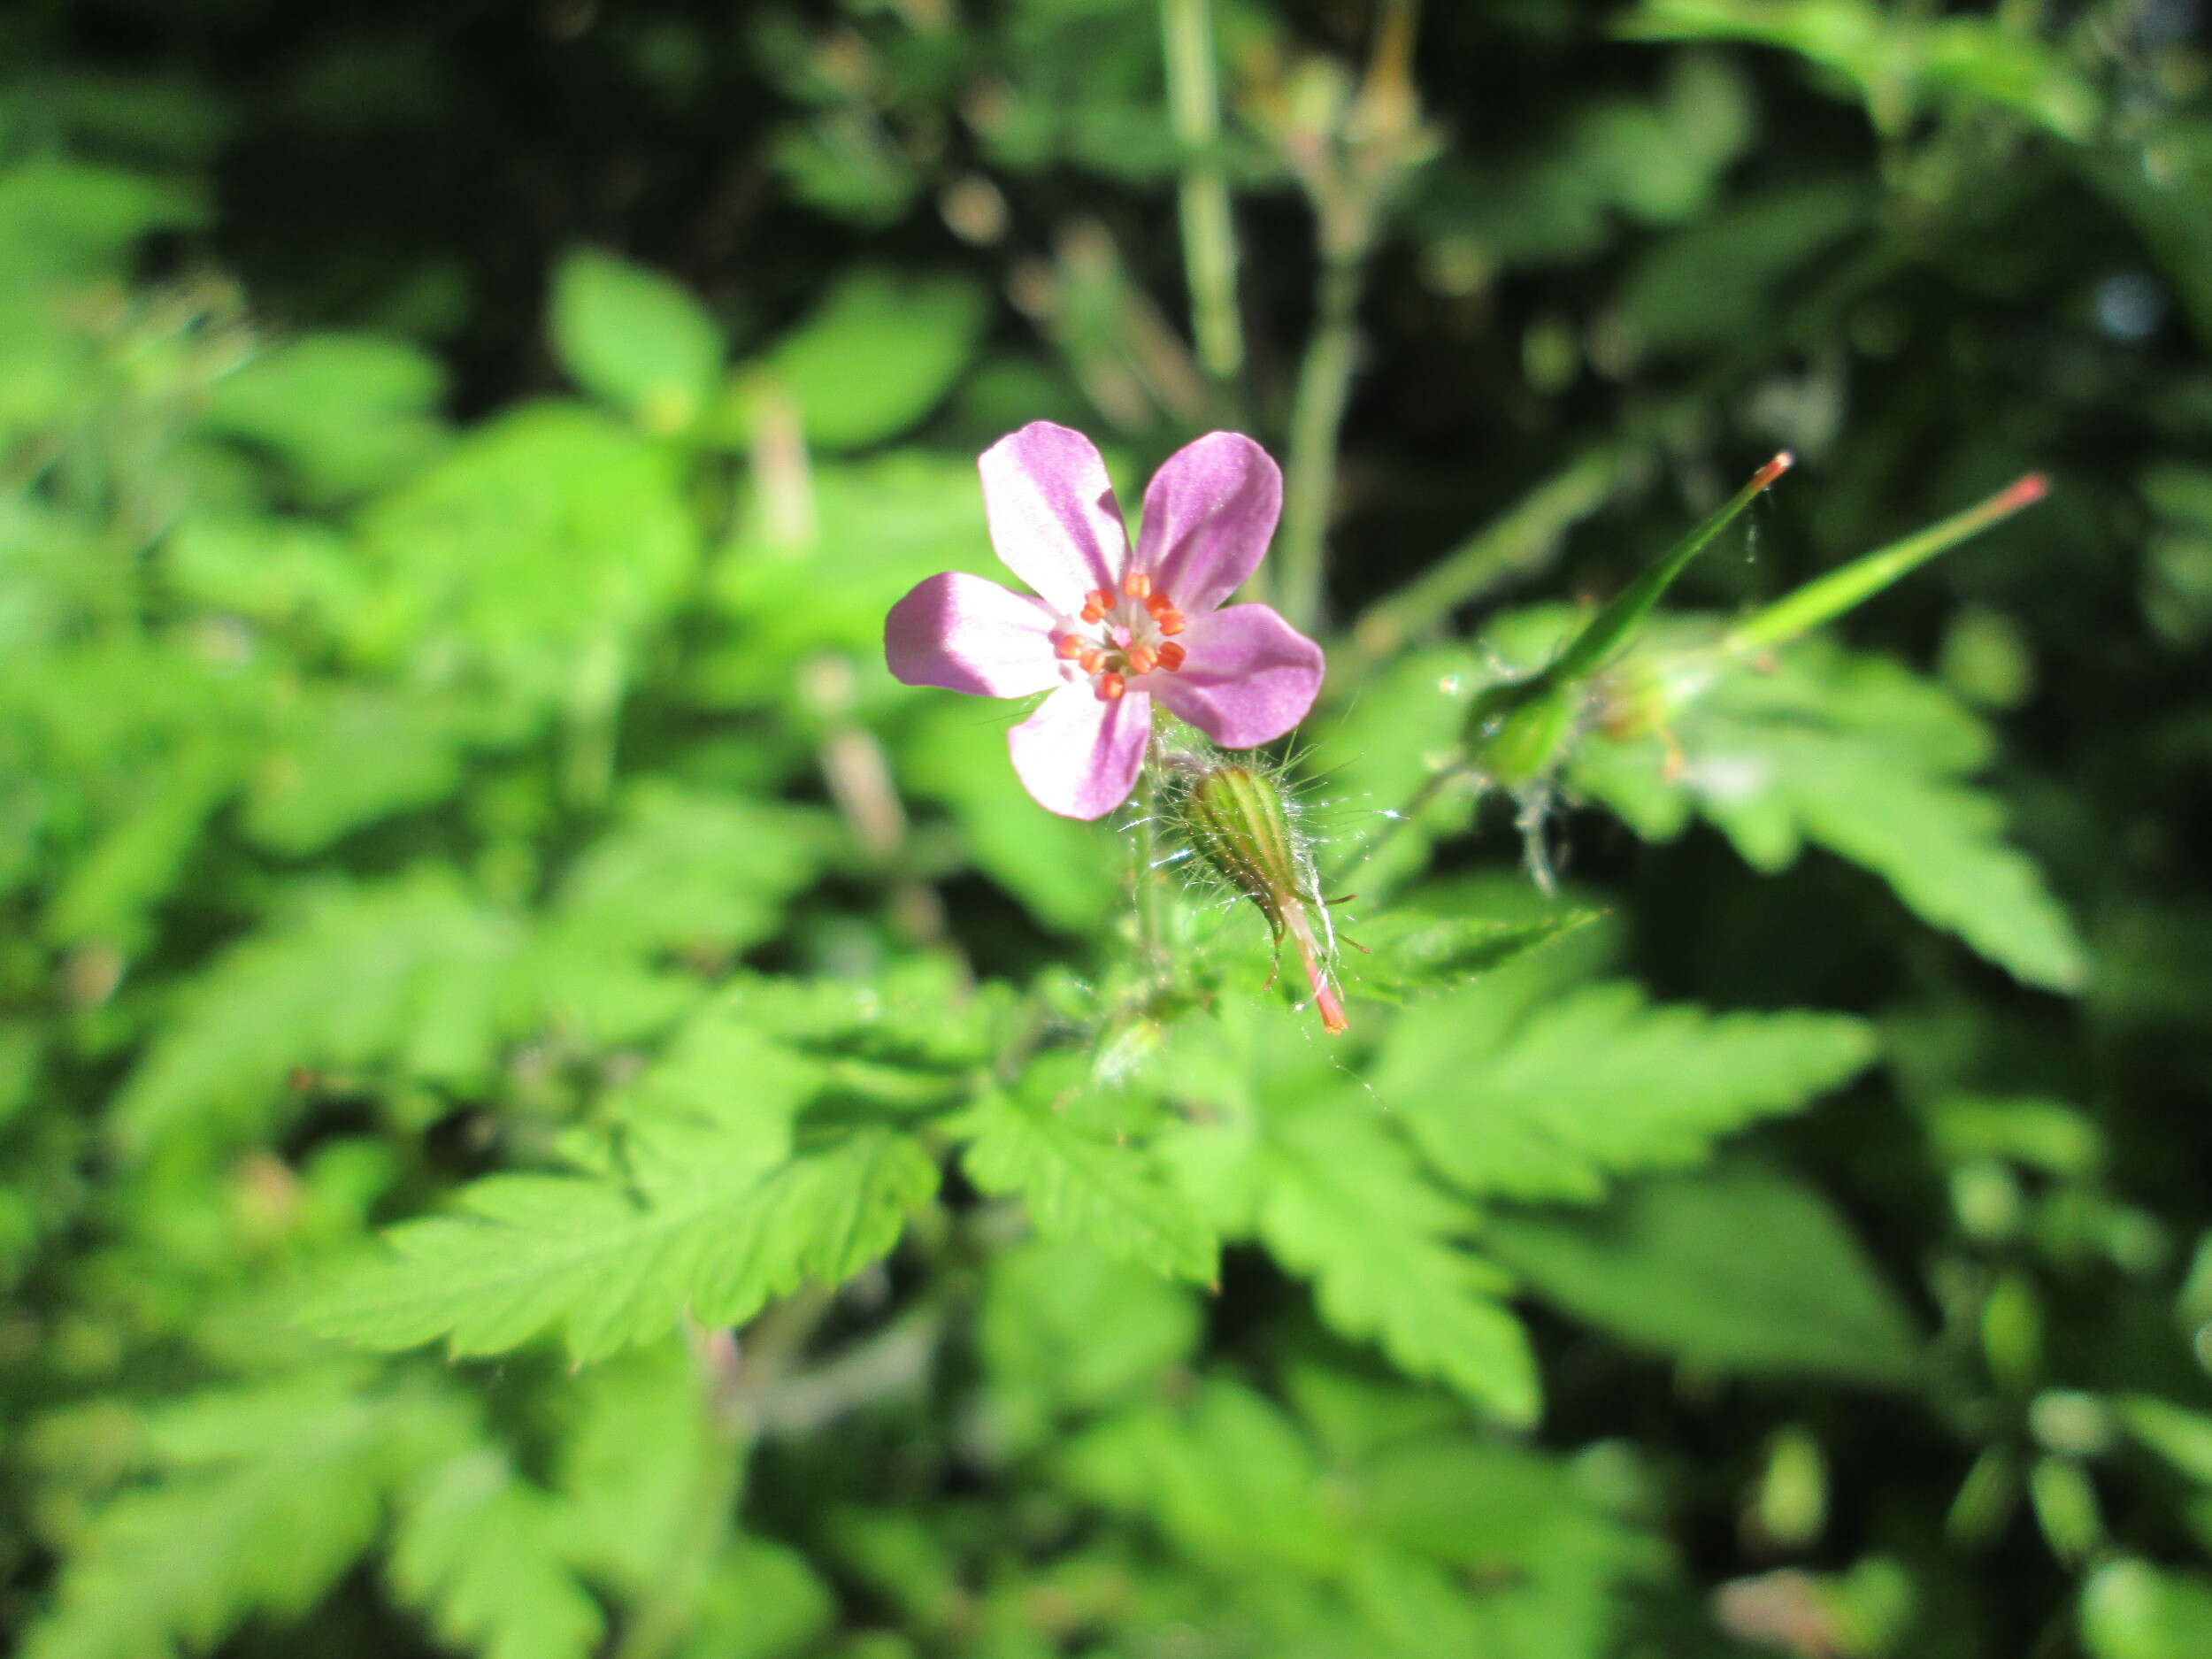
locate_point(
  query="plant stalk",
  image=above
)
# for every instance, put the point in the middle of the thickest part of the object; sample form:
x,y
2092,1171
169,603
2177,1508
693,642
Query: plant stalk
x,y
1325,384
1209,249
1827,597
1516,541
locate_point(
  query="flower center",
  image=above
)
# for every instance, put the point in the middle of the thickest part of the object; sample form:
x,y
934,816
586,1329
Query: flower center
x,y
1131,633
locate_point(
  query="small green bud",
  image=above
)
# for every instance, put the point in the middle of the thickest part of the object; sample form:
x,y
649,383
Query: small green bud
x,y
1519,732
1245,830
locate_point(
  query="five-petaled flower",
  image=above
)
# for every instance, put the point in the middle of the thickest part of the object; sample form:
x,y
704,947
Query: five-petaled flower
x,y
1109,630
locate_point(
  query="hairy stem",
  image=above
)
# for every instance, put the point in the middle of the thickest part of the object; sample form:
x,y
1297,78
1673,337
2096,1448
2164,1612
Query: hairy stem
x,y
1209,249
1152,944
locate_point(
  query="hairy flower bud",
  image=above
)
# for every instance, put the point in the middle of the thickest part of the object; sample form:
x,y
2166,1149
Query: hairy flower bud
x,y
1245,830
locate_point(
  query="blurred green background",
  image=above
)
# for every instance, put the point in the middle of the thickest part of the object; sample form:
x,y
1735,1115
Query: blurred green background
x,y
455,459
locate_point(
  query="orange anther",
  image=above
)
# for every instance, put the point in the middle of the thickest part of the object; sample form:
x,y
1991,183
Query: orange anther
x,y
1110,687
1141,660
1158,603
1070,648
1136,584
1089,658
1092,611
1169,621
1170,655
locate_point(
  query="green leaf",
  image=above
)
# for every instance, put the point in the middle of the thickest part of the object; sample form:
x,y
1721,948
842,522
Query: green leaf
x,y
691,872
1737,1270
276,570
407,973
530,557
70,221
1387,753
1278,1147
1863,757
637,1449
1077,1184
1228,1477
346,413
347,754
709,1230
473,1547
635,339
2131,1609
1343,1203
1548,1096
265,1498
1729,274
1050,864
2182,1437
1411,954
882,524
876,354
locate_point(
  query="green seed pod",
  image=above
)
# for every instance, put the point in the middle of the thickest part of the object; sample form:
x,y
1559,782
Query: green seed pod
x,y
1518,734
1237,822
1245,832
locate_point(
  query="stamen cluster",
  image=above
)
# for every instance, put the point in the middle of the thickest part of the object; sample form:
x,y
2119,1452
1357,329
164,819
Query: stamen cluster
x,y
1137,628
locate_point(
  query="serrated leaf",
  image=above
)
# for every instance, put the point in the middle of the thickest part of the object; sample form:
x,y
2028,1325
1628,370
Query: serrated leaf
x,y
1550,1097
1065,1328
1411,956
406,973
474,1549
1343,1203
264,1497
635,339
716,1236
1738,1269
1859,756
1082,1186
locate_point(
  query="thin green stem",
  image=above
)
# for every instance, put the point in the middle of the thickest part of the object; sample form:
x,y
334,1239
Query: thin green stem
x,y
1209,249
1831,596
1396,823
1516,541
1605,632
1152,944
1325,384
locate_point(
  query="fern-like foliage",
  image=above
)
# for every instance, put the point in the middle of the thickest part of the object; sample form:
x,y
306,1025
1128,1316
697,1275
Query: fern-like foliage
x,y
1345,1204
702,1200
1855,753
1512,1092
476,1548
1079,1183
261,1498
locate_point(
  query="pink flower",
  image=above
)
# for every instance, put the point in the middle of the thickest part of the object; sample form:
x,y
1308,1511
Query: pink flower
x,y
1107,631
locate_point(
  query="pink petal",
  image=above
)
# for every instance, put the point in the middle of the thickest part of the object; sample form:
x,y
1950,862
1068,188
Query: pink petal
x,y
1078,756
966,633
1247,676
1207,514
1052,512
